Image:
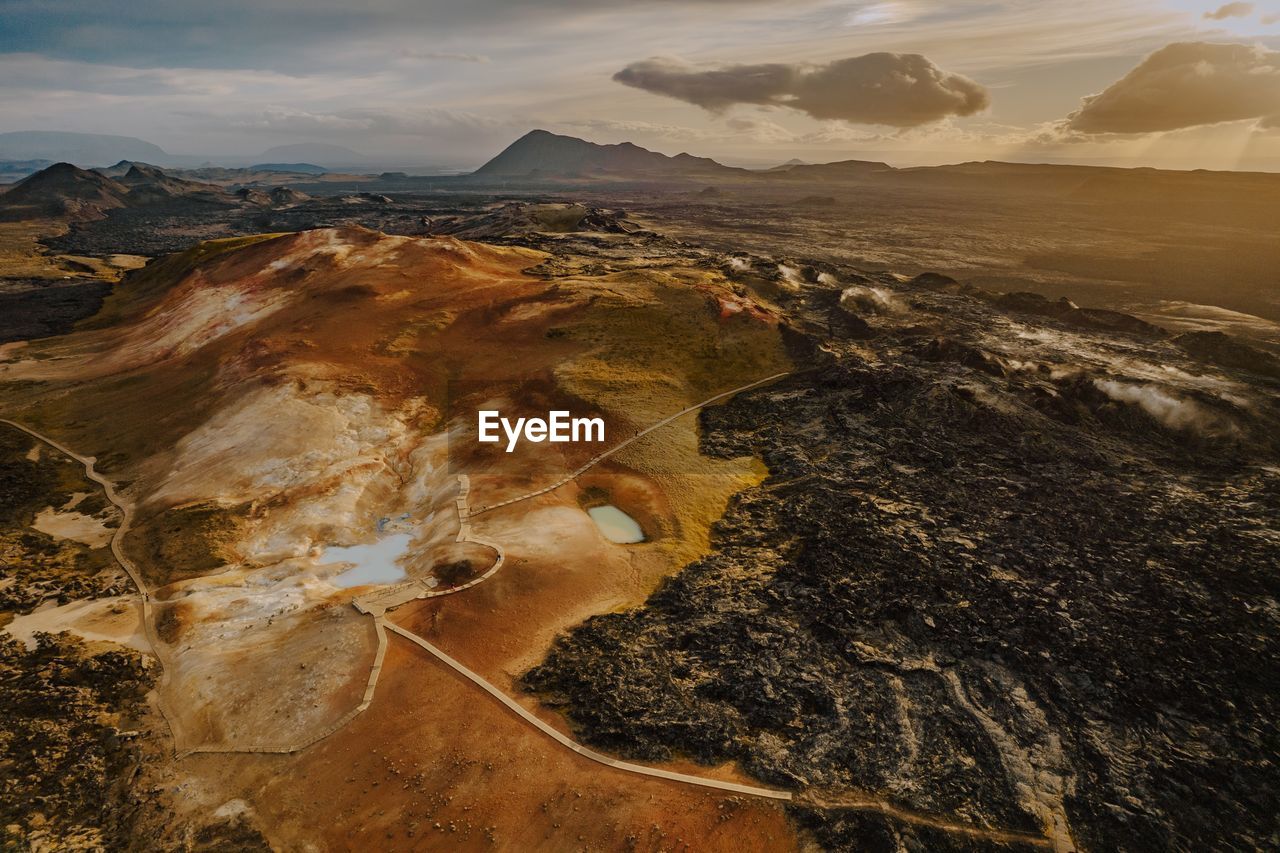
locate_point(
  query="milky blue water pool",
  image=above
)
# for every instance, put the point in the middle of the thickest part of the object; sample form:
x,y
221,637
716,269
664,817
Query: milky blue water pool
x,y
616,525
375,563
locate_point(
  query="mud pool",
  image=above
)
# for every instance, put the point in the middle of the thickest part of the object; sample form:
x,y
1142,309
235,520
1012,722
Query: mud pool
x,y
374,563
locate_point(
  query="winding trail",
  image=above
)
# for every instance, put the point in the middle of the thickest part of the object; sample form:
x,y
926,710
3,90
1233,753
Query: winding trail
x,y
375,671
126,510
377,603
380,601
596,460
565,740
826,800
117,551
845,801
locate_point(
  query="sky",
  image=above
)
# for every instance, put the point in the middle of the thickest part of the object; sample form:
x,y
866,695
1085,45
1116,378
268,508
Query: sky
x,y
426,83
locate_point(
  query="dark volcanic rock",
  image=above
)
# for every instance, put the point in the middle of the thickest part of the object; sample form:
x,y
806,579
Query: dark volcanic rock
x,y
288,195
1222,349
69,749
160,229
39,308
1003,596
946,349
1071,314
517,220
253,195
937,281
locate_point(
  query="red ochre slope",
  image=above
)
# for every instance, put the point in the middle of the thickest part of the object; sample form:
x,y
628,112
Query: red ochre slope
x,y
260,401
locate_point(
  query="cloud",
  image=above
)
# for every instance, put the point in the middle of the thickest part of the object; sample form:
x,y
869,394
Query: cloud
x,y
1230,10
896,89
760,130
628,127
379,120
38,77
443,55
1186,84
273,34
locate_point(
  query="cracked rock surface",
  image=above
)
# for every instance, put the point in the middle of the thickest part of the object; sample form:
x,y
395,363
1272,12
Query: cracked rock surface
x,y
980,582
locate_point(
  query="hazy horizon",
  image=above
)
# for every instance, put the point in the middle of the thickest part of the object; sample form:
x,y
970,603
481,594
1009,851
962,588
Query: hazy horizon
x,y
1180,84
429,166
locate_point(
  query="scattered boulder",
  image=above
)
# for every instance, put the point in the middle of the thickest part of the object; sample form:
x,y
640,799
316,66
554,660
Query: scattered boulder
x,y
1221,349
1066,311
949,349
868,299
251,195
937,281
281,196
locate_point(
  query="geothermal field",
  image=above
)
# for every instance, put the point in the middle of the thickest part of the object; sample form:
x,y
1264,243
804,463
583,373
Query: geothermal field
x,y
866,551
603,500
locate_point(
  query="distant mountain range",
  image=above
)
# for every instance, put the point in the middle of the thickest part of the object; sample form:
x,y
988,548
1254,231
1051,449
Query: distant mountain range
x,y
82,149
97,149
543,157
542,154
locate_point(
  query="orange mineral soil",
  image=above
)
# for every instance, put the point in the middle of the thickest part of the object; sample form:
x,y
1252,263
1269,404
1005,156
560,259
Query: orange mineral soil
x,y
257,402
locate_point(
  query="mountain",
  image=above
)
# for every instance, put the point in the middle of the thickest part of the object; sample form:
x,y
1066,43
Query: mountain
x,y
312,152
147,183
142,175
541,153
782,167
63,190
117,171
842,170
67,191
82,149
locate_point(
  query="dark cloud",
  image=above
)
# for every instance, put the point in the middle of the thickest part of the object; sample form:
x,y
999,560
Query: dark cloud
x,y
1230,10
897,89
284,35
1186,85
